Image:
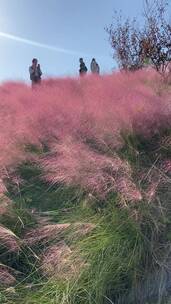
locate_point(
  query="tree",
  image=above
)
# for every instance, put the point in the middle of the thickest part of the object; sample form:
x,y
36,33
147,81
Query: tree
x,y
136,46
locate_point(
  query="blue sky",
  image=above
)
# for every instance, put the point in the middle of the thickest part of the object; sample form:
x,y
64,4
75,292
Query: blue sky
x,y
57,32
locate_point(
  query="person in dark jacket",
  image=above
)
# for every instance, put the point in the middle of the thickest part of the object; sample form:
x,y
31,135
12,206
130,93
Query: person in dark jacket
x,y
83,68
35,72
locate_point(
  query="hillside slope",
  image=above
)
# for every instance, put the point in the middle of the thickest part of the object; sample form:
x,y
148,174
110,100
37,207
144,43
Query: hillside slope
x,y
85,189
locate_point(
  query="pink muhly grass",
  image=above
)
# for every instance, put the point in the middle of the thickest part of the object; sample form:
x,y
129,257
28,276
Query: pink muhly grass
x,y
151,191
6,277
45,234
54,232
3,188
94,111
8,239
59,261
166,166
5,204
154,179
96,108
74,163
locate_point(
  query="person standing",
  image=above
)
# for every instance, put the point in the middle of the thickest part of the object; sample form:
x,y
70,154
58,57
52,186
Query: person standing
x,y
35,72
83,68
95,69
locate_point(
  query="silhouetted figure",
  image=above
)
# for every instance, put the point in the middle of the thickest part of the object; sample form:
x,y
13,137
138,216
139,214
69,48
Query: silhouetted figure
x,y
95,69
83,68
35,72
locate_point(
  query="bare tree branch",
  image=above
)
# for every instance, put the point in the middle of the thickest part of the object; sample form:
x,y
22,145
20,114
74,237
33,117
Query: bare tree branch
x,y
134,47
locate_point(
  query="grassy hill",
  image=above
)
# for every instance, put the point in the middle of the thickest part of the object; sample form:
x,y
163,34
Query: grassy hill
x,y
85,191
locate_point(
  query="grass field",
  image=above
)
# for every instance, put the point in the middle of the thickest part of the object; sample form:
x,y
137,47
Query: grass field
x,y
85,211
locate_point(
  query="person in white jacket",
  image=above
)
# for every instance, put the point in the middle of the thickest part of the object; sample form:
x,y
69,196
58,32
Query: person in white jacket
x,y
95,69
35,72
